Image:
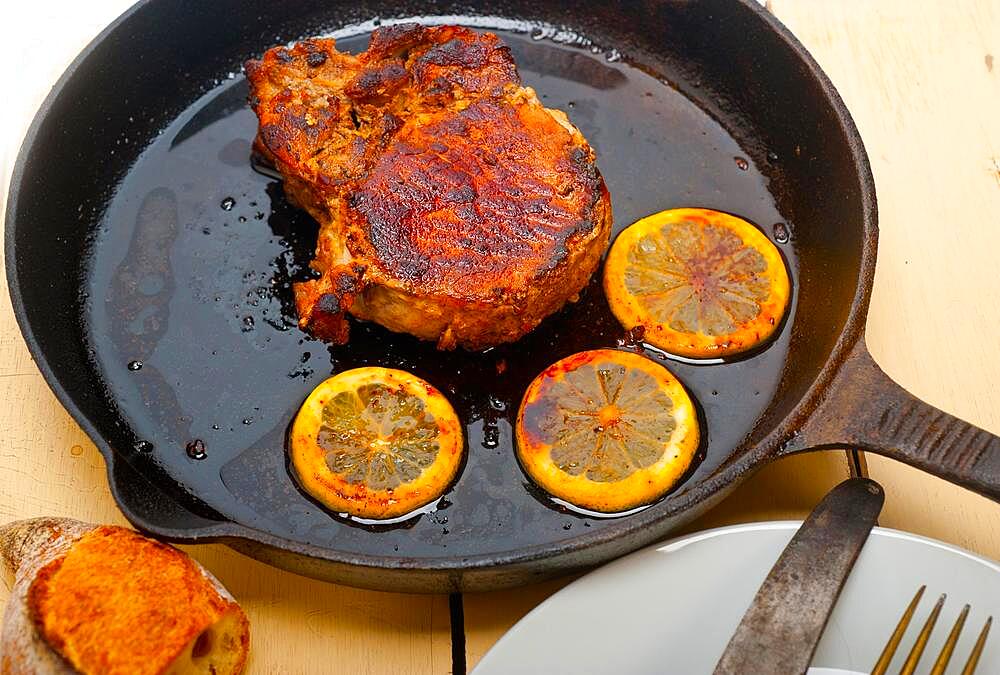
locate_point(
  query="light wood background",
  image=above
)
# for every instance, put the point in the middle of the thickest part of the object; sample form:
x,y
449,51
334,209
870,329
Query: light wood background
x,y
922,79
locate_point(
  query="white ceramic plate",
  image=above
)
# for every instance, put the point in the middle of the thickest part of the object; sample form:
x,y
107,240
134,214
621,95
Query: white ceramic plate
x,y
672,608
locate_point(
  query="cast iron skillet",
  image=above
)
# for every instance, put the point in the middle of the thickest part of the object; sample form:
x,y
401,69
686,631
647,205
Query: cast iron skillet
x,y
137,232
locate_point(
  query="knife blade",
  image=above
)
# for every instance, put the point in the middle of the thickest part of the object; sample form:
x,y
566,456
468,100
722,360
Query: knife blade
x,y
780,630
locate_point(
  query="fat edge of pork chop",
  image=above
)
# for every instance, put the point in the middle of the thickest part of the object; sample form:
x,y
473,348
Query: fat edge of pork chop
x,y
452,204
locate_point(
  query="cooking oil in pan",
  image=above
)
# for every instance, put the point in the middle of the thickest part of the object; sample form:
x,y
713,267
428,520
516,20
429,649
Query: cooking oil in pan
x,y
191,276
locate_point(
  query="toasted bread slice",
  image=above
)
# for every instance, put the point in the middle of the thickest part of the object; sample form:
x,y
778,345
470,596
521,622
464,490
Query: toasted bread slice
x,y
104,599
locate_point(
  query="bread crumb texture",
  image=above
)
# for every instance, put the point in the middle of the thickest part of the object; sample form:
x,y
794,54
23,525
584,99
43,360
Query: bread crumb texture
x,y
120,603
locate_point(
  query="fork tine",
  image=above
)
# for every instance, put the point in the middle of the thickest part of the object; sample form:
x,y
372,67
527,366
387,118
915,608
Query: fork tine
x,y
949,646
918,647
970,666
882,665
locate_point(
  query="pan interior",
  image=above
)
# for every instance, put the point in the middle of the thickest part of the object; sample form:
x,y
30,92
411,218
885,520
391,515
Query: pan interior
x,y
190,276
138,232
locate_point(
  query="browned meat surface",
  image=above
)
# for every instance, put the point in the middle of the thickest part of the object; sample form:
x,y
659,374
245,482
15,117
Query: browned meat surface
x,y
452,204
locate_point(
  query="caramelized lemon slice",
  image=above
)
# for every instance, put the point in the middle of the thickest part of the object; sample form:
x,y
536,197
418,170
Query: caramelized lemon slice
x,y
375,443
606,430
700,282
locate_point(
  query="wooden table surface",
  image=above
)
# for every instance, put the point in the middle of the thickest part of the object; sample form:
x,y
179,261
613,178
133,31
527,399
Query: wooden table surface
x,y
922,79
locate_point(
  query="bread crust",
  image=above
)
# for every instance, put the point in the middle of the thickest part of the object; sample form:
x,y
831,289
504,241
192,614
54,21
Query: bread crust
x,y
104,599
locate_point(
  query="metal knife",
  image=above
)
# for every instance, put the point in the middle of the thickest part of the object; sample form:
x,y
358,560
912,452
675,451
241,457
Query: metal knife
x,y
780,631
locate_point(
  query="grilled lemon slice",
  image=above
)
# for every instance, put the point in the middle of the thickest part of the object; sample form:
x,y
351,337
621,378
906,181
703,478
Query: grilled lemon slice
x,y
700,283
375,443
606,430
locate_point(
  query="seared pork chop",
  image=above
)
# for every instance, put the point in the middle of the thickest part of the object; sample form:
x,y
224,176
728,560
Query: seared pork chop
x,y
452,204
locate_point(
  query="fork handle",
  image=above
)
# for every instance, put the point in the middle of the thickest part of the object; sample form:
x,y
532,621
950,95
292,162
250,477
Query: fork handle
x,y
864,408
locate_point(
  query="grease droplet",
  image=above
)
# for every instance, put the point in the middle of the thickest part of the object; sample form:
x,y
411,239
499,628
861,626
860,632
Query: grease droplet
x,y
248,420
741,163
135,365
781,234
76,450
491,436
228,203
248,324
143,446
772,156
196,449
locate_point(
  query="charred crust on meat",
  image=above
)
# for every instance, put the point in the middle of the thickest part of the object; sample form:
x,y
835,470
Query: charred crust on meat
x,y
328,303
298,121
471,62
429,188
454,52
461,195
390,124
585,164
347,283
252,68
477,211
331,327
395,40
580,158
438,88
379,81
323,303
556,258
275,137
315,59
358,148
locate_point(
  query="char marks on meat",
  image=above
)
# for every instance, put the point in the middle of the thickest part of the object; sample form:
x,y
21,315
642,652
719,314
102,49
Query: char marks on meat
x,y
452,204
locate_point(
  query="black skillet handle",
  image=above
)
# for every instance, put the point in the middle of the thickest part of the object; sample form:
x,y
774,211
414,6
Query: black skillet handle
x,y
863,408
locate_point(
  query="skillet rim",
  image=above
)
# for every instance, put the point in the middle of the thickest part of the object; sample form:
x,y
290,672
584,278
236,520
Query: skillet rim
x,y
745,459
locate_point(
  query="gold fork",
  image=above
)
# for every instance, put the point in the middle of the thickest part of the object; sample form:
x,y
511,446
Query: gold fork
x,y
918,648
